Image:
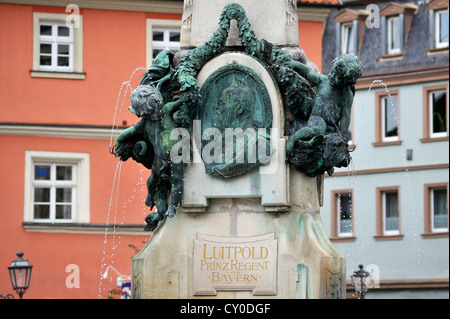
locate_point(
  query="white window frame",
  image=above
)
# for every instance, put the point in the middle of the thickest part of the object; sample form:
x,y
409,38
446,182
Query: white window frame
x,y
53,184
338,212
390,31
433,229
158,24
430,112
76,64
384,211
54,40
80,176
384,104
437,32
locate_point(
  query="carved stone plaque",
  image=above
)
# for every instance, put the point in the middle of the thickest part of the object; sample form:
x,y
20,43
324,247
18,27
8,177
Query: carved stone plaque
x,y
235,264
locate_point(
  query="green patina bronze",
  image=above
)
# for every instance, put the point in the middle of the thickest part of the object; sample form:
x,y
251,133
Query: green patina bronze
x,y
321,143
317,108
235,108
153,134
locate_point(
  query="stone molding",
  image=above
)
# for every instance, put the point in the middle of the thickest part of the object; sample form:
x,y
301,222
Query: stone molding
x,y
174,7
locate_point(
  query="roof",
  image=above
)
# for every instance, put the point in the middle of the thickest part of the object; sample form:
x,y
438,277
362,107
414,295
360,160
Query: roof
x,y
320,2
415,55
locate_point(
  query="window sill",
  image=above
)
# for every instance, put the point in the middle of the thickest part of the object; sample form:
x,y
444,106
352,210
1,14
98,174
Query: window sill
x,y
438,51
377,144
58,75
388,237
433,139
435,235
342,239
391,57
80,228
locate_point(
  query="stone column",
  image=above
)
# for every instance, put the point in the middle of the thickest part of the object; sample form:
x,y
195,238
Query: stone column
x,y
274,20
256,235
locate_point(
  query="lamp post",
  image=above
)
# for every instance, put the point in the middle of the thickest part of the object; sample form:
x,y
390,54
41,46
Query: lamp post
x,y
20,273
120,282
359,278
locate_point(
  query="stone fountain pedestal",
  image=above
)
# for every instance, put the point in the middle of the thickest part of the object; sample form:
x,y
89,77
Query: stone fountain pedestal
x,y
259,235
238,249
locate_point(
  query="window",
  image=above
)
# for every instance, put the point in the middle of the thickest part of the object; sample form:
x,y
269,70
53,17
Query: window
x,y
394,40
57,47
348,40
388,213
435,113
439,210
390,118
56,187
441,28
342,215
438,113
387,110
436,210
345,215
54,192
162,35
165,39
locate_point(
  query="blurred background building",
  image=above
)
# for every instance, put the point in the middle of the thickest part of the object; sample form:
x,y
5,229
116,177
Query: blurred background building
x,y
389,209
67,69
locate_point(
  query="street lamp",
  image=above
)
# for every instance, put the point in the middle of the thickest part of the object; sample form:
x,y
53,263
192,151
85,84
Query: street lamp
x,y
120,282
20,273
359,278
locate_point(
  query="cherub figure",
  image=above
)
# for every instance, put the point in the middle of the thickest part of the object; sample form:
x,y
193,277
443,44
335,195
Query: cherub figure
x,y
154,129
325,134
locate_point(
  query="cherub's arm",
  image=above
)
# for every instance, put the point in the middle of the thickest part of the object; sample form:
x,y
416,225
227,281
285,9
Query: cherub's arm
x,y
125,141
123,147
304,71
172,107
127,134
346,110
132,132
344,122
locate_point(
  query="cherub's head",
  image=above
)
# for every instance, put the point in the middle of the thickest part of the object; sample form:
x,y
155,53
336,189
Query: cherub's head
x,y
345,70
145,101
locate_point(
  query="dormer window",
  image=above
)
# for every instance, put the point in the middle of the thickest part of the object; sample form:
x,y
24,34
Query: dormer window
x,y
350,30
438,28
396,22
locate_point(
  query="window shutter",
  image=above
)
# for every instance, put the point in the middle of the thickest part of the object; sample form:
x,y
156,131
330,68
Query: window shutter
x,y
338,40
355,28
431,29
401,31
383,35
